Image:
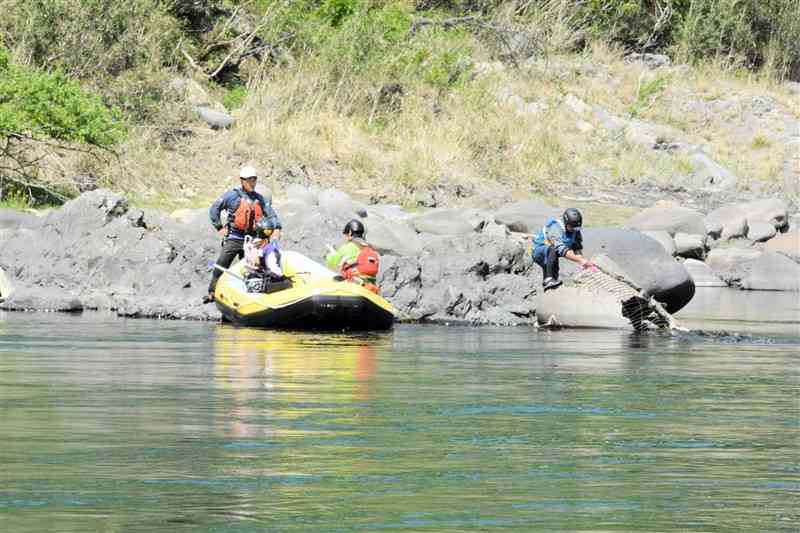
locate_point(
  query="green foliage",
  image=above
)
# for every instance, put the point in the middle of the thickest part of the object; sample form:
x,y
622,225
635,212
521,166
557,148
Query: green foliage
x,y
234,97
104,43
638,25
647,93
52,106
752,33
334,12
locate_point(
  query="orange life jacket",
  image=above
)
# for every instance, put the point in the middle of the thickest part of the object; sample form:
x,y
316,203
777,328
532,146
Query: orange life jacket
x,y
247,214
365,268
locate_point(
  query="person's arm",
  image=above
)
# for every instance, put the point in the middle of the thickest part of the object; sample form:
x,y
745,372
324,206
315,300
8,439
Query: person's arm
x,y
272,265
576,257
214,214
334,258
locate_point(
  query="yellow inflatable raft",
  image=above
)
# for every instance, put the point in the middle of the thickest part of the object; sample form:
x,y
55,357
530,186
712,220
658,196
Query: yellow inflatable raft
x,y
315,300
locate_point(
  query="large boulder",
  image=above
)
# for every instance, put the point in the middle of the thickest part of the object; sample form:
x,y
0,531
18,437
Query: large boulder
x,y
727,222
732,264
787,244
6,288
215,119
101,253
772,272
527,216
13,219
772,210
339,204
301,194
711,175
670,218
690,246
664,239
702,275
645,262
33,298
393,238
580,308
761,231
444,222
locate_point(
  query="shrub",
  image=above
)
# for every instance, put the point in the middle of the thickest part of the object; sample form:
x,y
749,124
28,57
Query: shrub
x,y
37,107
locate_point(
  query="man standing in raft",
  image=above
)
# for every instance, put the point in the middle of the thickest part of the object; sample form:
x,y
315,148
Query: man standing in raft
x,y
559,238
355,260
245,207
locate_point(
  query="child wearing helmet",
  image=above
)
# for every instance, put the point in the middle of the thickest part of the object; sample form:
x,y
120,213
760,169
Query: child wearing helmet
x,y
355,260
263,260
559,238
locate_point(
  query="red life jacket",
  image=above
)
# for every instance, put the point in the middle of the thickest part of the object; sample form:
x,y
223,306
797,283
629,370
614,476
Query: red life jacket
x,y
247,214
366,265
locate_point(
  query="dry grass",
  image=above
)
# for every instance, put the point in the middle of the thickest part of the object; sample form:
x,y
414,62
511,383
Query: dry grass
x,y
468,138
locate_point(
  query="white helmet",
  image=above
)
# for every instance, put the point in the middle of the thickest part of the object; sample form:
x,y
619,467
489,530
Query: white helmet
x,y
248,172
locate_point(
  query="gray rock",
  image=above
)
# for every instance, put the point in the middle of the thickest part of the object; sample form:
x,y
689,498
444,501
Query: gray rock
x,y
702,274
571,306
215,119
711,175
787,244
192,217
425,198
645,262
393,238
578,106
670,218
443,222
727,222
690,245
664,239
13,219
650,135
339,205
772,272
6,287
527,216
732,264
651,61
774,211
761,231
388,211
42,299
304,195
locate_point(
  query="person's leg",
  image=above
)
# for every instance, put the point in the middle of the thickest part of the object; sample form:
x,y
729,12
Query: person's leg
x,y
550,260
551,263
231,248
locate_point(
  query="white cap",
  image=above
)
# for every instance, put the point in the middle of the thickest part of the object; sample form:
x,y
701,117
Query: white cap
x,y
248,172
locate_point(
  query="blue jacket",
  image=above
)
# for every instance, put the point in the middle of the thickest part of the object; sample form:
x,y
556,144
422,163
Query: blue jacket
x,y
230,202
554,233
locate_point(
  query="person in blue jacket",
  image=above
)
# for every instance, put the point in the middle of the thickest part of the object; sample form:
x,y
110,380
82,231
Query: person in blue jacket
x,y
559,238
245,208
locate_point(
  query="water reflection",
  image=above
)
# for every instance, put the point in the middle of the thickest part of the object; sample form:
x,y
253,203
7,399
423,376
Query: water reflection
x,y
163,426
263,370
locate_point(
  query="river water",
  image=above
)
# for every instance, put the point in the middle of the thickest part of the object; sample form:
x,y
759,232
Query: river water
x,y
140,425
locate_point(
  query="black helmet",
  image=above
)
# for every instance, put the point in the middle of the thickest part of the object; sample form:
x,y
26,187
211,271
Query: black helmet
x,y
354,228
572,217
264,228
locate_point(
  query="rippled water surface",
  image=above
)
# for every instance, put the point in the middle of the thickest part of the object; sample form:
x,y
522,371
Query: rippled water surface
x,y
139,425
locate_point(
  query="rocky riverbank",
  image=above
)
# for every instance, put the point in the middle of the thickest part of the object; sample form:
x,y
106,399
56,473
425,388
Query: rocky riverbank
x,y
470,265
